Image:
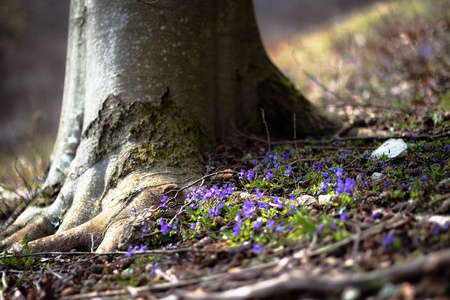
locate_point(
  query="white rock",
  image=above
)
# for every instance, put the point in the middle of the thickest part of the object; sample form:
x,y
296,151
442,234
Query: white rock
x,y
325,199
305,200
439,219
444,182
376,176
392,148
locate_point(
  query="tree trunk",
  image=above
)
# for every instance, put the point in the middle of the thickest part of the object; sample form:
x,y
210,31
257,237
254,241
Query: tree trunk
x,y
149,86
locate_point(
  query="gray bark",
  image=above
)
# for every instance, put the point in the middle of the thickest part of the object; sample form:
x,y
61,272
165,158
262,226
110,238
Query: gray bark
x,y
148,87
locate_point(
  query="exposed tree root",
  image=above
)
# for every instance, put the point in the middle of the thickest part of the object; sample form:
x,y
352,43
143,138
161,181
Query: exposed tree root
x,y
105,231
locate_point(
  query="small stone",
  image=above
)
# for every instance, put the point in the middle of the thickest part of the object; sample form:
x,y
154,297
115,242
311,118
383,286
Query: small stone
x,y
331,261
376,177
305,200
444,182
325,199
392,148
440,220
349,263
350,293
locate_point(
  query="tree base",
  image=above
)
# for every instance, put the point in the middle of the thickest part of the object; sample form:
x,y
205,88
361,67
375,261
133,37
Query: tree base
x,y
112,229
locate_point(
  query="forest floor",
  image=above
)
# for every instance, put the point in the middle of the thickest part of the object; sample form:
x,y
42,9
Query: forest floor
x,y
316,219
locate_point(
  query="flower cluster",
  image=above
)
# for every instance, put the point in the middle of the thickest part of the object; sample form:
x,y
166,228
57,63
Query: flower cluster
x,y
269,214
132,249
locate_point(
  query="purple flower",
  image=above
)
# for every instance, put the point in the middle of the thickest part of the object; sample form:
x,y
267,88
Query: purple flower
x,y
332,224
133,210
248,208
145,230
164,227
320,227
411,135
343,155
287,172
388,240
193,226
375,215
383,165
208,194
424,178
257,224
278,203
293,209
292,197
425,52
263,205
340,187
270,224
309,151
257,248
436,230
219,206
211,212
366,156
250,175
269,175
163,202
343,216
131,250
259,195
152,271
339,172
323,186
348,186
142,248
443,163
279,229
241,174
445,225
237,227
335,143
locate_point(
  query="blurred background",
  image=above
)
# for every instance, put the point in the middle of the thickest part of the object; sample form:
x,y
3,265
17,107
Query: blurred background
x,y
33,37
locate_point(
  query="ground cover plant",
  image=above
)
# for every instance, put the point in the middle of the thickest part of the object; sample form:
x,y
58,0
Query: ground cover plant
x,y
301,218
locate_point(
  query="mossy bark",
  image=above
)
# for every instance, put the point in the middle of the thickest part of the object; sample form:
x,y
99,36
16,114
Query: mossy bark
x,y
148,89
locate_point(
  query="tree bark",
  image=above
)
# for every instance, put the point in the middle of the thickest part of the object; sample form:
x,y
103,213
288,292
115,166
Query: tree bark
x,y
149,86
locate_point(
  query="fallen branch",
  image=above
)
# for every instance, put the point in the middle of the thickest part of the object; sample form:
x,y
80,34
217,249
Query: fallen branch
x,y
144,290
297,281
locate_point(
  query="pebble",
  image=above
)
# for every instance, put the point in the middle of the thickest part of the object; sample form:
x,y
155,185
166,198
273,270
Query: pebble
x,y
392,148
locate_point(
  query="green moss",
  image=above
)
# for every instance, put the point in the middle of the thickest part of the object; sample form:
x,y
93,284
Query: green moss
x,y
163,135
